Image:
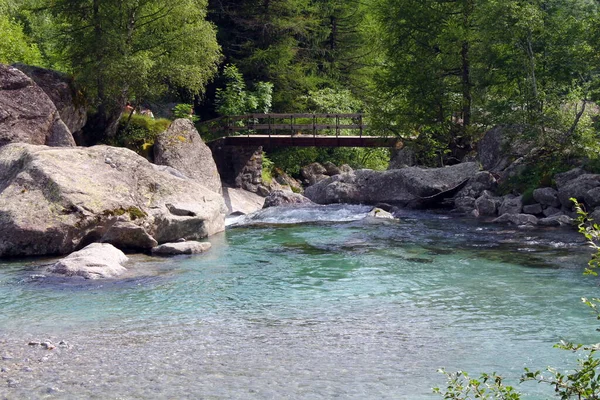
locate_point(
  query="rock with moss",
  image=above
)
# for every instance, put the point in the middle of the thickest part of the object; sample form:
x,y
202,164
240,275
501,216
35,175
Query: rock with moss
x,y
57,200
27,114
182,148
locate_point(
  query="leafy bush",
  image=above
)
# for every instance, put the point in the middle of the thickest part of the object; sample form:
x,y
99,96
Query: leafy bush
x,y
184,110
236,99
138,133
267,169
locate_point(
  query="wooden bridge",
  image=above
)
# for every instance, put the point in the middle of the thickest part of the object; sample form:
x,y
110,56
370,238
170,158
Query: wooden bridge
x,y
289,130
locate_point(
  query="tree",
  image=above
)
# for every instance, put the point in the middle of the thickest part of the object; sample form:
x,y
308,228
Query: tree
x,y
134,50
15,46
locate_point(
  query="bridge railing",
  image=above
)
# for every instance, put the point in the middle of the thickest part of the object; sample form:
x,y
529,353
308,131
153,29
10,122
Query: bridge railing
x,y
293,123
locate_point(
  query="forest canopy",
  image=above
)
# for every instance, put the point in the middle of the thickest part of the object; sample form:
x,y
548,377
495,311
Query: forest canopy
x,y
437,73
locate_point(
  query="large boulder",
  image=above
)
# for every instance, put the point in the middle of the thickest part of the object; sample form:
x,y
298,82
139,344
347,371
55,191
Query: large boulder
x,y
402,158
313,173
407,186
57,200
242,201
577,188
27,114
60,88
564,177
501,145
511,205
182,148
546,196
284,198
95,261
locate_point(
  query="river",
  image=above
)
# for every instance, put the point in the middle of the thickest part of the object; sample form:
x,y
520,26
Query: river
x,y
306,303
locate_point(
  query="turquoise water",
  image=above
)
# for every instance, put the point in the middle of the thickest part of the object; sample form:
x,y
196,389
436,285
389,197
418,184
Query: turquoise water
x,y
286,307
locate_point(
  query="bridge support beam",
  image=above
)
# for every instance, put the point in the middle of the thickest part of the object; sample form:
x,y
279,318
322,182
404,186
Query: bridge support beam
x,y
239,167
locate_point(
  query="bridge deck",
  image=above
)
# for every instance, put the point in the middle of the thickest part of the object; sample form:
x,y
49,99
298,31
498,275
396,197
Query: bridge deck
x,y
309,141
266,130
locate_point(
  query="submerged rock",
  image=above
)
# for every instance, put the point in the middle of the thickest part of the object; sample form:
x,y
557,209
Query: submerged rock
x,y
98,260
171,249
55,200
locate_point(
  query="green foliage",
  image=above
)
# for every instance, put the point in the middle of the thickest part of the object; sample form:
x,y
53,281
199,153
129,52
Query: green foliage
x,y
139,133
136,49
460,386
184,110
235,99
591,231
267,169
330,100
535,173
15,45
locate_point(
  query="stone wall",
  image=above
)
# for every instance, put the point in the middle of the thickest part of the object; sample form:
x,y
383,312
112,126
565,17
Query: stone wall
x,y
239,167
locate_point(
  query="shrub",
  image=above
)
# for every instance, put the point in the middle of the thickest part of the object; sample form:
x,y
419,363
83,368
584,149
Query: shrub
x,y
138,133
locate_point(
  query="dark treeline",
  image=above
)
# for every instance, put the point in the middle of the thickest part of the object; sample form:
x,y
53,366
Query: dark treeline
x,y
437,73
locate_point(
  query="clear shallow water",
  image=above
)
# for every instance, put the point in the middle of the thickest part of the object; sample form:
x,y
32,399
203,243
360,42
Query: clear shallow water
x,y
363,309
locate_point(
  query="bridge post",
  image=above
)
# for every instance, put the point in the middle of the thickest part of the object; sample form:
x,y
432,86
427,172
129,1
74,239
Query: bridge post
x,y
239,166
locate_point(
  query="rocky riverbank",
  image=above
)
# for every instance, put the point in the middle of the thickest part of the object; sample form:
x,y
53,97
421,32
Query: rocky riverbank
x,y
57,198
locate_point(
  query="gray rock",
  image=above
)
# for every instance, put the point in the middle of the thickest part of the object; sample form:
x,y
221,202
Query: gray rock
x,y
577,188
171,249
511,205
595,215
27,115
55,200
241,201
379,213
464,204
405,186
551,211
487,205
500,145
562,178
482,181
182,148
592,197
533,209
262,191
313,173
556,220
346,169
69,102
127,235
331,168
402,158
49,345
517,219
547,197
97,260
281,198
